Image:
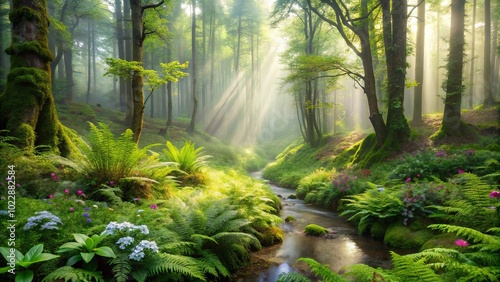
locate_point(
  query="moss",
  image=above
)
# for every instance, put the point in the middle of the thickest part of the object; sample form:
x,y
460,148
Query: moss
x,y
446,240
33,47
289,219
26,135
378,229
271,236
315,230
400,236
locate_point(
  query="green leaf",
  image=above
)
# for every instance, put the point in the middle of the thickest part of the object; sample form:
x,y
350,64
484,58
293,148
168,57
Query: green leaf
x,y
80,238
33,252
98,238
70,246
5,252
24,276
89,244
87,257
74,259
4,269
105,252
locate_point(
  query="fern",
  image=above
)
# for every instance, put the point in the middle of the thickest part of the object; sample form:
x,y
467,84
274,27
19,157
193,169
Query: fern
x,y
292,277
363,272
365,208
472,208
109,158
190,160
469,233
68,273
108,194
322,270
169,263
408,269
121,267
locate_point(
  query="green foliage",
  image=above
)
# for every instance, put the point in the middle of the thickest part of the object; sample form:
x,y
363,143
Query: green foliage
x,y
190,160
108,158
68,273
292,277
315,180
311,67
87,250
471,206
444,164
315,230
34,255
372,205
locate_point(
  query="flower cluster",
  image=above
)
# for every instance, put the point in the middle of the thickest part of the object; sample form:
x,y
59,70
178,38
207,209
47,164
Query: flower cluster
x,y
138,252
44,219
124,242
114,226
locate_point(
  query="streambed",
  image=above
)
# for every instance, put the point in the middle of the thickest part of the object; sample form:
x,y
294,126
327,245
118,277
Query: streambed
x,y
341,248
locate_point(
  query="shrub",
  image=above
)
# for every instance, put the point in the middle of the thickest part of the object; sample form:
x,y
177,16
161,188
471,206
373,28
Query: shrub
x,y
315,230
400,236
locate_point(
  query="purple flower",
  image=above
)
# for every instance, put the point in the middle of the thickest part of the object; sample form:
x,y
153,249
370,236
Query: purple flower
x,y
470,152
153,207
51,196
441,154
87,208
66,191
86,214
71,209
460,171
88,219
137,199
495,194
111,183
461,243
408,180
79,192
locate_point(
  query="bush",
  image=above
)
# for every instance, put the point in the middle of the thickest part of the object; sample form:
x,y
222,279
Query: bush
x,y
315,230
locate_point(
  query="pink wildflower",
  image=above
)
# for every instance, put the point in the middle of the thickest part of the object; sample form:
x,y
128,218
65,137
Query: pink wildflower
x,y
79,192
461,243
460,171
51,196
153,207
495,194
112,183
408,180
71,209
66,191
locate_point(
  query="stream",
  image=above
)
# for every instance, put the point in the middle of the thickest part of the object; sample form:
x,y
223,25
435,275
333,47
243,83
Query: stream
x,y
341,248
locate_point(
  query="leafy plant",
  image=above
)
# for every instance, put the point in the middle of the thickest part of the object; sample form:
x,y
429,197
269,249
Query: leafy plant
x,y
68,273
17,259
190,160
87,250
372,205
108,158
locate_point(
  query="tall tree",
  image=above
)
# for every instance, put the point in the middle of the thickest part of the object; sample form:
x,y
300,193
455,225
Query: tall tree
x,y
419,64
27,106
139,33
452,123
488,93
472,55
192,123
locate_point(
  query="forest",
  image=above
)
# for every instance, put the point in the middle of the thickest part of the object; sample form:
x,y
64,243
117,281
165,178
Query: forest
x,y
249,140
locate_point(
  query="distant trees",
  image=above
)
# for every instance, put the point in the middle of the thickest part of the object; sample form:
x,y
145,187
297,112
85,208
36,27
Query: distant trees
x,y
27,106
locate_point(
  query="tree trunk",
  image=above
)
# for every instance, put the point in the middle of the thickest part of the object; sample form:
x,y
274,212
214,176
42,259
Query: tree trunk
x,y
394,30
137,79
191,127
472,56
27,105
120,41
419,65
488,94
128,56
452,121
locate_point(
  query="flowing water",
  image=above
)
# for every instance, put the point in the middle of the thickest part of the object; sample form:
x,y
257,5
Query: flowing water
x,y
342,247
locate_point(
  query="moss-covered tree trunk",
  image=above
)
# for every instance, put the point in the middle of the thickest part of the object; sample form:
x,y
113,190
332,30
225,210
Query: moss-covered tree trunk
x,y
452,121
27,105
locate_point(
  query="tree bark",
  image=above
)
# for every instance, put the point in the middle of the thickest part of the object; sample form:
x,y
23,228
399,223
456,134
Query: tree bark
x,y
419,65
191,127
488,94
27,105
452,121
472,56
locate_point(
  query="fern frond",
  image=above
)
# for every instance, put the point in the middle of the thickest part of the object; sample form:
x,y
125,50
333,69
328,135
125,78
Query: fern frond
x,y
169,263
363,272
213,265
121,267
292,277
472,235
409,270
68,273
322,270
